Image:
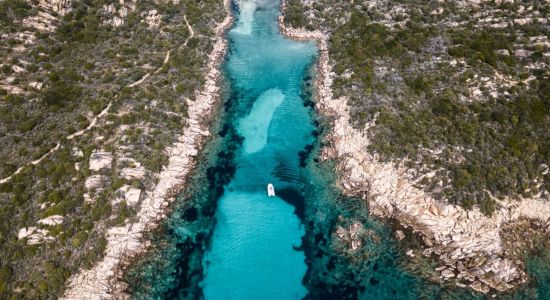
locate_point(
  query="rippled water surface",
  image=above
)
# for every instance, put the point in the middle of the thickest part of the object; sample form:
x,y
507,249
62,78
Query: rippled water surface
x,y
253,251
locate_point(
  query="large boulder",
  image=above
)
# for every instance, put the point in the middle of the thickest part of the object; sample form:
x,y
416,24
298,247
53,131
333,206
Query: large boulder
x,y
100,160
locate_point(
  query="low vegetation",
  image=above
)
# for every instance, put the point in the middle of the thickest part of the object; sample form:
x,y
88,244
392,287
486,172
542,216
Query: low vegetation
x,y
459,92
53,85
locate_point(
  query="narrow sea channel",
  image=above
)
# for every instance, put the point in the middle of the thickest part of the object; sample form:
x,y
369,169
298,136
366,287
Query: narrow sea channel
x,y
254,244
226,239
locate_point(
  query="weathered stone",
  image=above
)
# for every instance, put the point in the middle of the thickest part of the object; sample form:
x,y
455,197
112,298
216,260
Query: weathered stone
x,y
133,173
100,160
355,245
480,287
521,53
399,235
25,232
132,196
447,273
93,182
52,220
354,229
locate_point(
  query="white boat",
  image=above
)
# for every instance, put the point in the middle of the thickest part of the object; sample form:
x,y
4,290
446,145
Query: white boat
x,y
270,190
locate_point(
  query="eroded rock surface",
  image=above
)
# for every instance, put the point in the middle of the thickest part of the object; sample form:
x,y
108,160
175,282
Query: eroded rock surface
x,y
100,160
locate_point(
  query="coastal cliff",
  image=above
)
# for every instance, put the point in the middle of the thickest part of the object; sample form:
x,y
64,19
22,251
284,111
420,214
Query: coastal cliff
x,y
467,243
126,242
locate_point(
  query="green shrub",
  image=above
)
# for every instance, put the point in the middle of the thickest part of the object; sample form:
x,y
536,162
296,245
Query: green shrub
x,y
61,93
11,10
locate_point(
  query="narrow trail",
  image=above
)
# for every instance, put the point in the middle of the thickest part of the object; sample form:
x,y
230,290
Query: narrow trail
x,y
90,126
192,33
166,59
513,82
58,144
140,81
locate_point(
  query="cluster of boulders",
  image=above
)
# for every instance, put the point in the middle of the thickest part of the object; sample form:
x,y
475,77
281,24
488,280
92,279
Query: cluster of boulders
x,y
152,18
351,235
132,170
46,19
115,17
99,160
35,235
60,7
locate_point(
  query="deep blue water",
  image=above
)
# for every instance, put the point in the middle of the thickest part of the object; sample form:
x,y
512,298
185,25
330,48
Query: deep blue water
x,y
225,239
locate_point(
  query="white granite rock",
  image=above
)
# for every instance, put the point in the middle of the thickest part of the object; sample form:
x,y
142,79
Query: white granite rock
x,y
152,18
25,232
34,236
100,160
399,235
133,173
52,220
93,182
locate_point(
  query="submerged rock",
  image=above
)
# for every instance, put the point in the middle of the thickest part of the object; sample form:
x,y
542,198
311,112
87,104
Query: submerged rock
x,y
399,235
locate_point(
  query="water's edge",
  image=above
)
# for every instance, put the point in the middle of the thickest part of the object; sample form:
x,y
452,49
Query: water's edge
x,y
329,273
346,147
125,243
194,211
336,269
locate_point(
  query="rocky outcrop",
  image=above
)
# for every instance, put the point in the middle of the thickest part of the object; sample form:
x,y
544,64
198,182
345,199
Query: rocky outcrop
x,y
129,194
47,17
100,160
352,234
52,220
467,243
125,242
34,236
116,17
152,18
93,182
59,6
133,173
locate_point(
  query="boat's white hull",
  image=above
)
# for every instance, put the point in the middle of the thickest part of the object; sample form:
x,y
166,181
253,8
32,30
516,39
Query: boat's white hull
x,y
270,190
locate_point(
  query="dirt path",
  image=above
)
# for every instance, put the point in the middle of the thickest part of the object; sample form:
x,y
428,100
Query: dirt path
x,y
89,127
513,82
104,111
192,33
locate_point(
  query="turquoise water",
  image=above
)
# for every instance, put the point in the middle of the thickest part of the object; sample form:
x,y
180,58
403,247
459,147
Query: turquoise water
x,y
225,239
255,239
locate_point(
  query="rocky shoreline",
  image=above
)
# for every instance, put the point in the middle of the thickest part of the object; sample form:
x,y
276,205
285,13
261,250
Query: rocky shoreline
x,y
126,242
468,244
